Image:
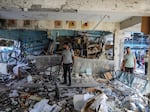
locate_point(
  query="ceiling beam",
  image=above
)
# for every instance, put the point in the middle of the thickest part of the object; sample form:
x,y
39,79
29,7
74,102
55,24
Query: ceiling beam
x,y
135,6
130,22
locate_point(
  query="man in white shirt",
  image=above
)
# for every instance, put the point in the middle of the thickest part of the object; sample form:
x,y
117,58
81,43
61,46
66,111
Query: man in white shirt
x,y
67,62
129,62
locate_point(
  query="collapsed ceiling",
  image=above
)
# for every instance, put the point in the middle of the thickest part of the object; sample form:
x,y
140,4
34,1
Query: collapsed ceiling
x,y
115,11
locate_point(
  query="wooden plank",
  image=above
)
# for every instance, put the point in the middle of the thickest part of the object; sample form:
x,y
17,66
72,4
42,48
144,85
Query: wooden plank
x,y
145,28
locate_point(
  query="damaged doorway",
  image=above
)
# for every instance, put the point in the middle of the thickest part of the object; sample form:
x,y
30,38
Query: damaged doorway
x,y
139,44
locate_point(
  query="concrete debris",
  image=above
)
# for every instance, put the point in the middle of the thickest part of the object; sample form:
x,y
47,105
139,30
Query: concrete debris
x,y
5,77
13,93
26,96
43,106
87,96
78,101
16,68
39,90
100,103
113,96
29,78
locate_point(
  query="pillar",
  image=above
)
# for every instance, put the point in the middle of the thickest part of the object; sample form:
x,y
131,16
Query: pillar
x,y
118,49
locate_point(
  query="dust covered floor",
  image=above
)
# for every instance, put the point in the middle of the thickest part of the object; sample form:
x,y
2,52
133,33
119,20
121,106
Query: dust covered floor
x,y
24,94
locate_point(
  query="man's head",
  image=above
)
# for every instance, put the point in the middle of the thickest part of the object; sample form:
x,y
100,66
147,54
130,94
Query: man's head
x,y
128,50
66,45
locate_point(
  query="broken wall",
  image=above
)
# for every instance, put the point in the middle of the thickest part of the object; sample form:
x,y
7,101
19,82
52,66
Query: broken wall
x,y
81,65
47,60
97,66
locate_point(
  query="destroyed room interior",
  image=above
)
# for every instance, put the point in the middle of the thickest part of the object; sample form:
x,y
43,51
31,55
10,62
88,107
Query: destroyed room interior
x,y
74,56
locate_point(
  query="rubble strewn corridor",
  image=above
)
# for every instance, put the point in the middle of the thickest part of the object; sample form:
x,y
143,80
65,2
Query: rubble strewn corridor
x,y
38,89
74,56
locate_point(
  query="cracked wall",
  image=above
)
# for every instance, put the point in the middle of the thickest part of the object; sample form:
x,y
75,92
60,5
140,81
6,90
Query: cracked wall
x,y
98,5
116,10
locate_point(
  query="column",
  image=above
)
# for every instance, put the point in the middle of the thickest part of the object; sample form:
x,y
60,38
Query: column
x,y
118,49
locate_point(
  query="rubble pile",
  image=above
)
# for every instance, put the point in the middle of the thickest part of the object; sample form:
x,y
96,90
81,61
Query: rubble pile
x,y
26,99
114,96
112,99
4,77
83,78
124,97
39,90
30,91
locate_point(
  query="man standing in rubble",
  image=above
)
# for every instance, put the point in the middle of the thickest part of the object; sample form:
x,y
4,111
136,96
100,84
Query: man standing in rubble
x,y
67,61
129,61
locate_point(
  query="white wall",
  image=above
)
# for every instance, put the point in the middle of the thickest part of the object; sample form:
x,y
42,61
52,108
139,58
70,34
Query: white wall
x,y
3,68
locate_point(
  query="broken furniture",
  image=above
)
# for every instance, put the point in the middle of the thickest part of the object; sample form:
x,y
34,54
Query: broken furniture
x,y
123,90
93,50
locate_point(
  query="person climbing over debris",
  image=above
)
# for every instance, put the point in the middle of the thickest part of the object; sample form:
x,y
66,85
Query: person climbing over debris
x,y
67,61
129,62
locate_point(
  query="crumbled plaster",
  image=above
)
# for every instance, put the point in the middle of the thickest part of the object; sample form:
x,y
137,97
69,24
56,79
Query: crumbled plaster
x,y
117,10
92,5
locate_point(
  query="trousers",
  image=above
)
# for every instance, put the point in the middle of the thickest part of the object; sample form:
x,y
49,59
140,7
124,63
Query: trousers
x,y
146,67
130,70
67,71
